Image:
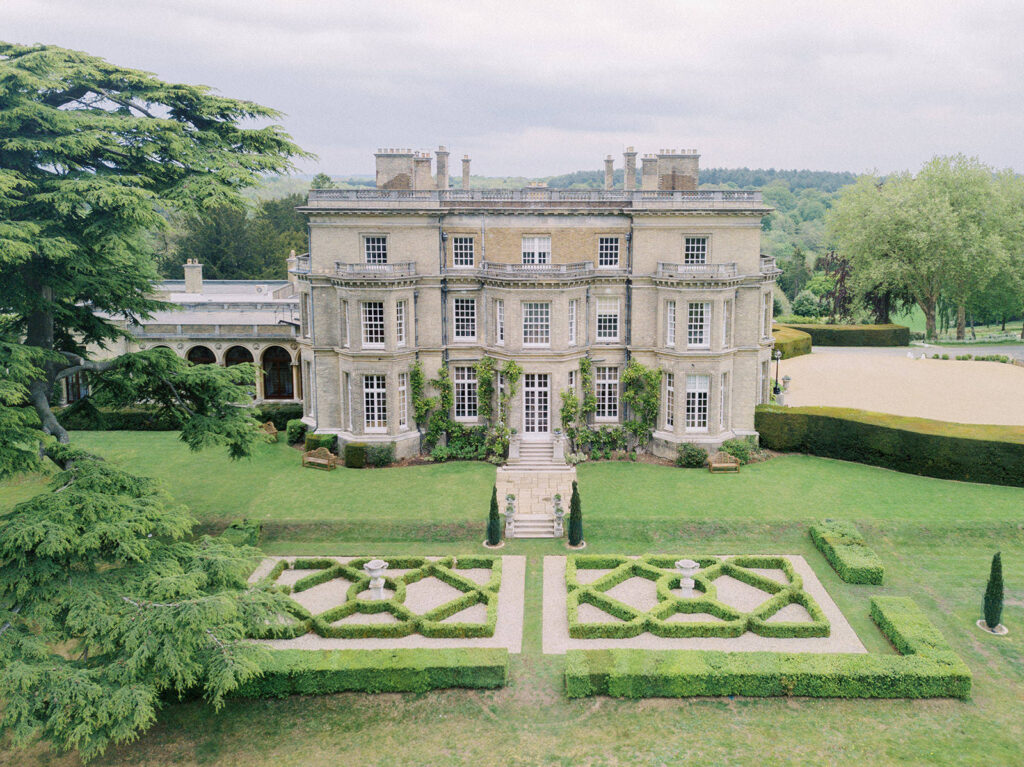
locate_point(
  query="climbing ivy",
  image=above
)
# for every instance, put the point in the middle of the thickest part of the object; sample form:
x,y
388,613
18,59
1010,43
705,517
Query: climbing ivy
x,y
641,392
589,404
485,389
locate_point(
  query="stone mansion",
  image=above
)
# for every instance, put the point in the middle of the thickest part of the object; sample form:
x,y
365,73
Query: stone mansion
x,y
666,273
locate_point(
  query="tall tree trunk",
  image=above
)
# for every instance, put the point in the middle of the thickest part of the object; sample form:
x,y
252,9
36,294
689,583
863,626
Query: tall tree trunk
x,y
928,307
961,322
39,333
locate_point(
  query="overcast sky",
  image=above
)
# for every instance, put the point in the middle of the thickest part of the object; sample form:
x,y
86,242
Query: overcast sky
x,y
539,88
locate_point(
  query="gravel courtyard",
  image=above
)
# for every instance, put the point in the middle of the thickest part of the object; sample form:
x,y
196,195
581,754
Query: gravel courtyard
x,y
884,382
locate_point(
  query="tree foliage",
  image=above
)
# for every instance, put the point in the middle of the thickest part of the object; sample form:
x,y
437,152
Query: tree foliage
x,y
993,606
942,234
575,517
105,607
493,520
91,156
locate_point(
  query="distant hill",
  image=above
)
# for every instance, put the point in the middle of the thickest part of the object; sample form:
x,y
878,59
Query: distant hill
x,y
737,178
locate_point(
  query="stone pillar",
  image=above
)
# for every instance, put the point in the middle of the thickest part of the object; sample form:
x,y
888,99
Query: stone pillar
x,y
630,180
193,276
609,172
296,382
465,171
442,167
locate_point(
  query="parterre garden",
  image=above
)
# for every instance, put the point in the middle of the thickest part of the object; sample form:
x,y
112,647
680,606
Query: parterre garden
x,y
934,538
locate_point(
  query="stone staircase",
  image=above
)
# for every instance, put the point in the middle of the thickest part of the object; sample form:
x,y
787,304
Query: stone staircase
x,y
535,473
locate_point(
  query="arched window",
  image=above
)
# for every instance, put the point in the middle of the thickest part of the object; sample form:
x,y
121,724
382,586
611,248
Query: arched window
x,y
200,355
277,373
236,355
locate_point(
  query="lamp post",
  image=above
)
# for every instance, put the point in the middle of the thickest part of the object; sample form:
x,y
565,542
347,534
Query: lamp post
x,y
778,356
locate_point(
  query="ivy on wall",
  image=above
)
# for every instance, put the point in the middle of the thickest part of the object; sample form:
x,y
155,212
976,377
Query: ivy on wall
x,y
641,393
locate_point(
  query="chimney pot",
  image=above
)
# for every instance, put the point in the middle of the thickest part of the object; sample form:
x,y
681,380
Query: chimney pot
x,y
193,276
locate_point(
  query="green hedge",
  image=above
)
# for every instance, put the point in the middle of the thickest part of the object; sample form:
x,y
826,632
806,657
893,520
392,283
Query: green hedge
x,y
355,455
84,416
854,335
970,453
320,672
316,441
295,431
843,546
791,342
927,668
660,569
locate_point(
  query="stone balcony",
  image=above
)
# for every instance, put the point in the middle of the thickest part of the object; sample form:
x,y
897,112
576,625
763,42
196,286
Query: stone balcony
x,y
696,271
401,269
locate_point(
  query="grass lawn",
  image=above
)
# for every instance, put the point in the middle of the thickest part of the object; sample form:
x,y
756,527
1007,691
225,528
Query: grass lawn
x,y
935,537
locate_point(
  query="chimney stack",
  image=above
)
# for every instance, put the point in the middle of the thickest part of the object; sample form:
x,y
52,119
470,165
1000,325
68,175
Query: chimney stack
x,y
629,183
609,172
678,170
421,175
465,171
442,168
649,172
394,168
193,276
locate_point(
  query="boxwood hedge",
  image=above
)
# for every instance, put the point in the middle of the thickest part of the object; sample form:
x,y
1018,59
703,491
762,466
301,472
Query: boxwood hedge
x,y
927,668
318,672
659,569
966,452
854,335
843,546
791,342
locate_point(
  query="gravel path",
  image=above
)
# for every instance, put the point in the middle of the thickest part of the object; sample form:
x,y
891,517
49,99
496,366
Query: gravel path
x,y
556,639
944,390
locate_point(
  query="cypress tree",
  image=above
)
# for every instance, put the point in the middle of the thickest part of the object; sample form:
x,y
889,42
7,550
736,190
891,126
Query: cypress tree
x,y
575,517
493,520
994,594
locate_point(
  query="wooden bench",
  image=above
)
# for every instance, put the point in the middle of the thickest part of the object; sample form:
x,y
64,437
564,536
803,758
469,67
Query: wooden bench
x,y
722,461
270,430
321,458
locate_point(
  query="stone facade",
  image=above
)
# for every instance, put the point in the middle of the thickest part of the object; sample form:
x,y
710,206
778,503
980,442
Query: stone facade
x,y
669,275
221,322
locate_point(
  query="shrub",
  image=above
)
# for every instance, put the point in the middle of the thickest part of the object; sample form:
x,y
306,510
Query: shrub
x,y
83,415
966,452
355,455
855,335
319,672
575,517
791,342
927,668
691,456
243,532
295,431
494,520
279,414
993,607
380,454
315,441
843,546
807,304
743,448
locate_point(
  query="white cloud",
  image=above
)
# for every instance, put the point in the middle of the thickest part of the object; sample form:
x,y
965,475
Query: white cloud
x,y
540,87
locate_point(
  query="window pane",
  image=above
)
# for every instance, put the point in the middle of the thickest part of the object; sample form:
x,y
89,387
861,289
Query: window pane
x,y
697,402
607,390
697,327
608,319
400,323
695,250
608,251
376,250
573,304
462,251
670,323
670,399
403,399
536,250
537,324
465,392
373,323
375,407
465,318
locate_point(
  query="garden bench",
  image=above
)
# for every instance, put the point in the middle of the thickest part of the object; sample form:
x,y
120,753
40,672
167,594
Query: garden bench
x,y
722,461
321,458
270,430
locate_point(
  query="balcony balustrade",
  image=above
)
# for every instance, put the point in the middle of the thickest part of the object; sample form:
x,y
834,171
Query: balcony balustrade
x,y
696,271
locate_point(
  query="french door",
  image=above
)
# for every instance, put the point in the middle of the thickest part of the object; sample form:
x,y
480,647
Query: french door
x,y
536,404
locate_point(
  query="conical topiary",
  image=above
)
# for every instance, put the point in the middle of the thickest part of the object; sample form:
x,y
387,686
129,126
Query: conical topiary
x,y
493,520
994,594
575,517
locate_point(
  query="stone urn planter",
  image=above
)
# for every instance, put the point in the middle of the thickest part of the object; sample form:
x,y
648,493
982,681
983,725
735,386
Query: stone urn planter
x,y
375,568
687,568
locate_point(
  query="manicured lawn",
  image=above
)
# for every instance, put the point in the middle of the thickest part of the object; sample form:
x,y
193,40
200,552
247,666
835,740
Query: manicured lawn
x,y
934,537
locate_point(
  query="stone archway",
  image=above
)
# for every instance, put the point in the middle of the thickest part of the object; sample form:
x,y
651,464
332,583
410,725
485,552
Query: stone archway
x,y
237,355
277,373
201,355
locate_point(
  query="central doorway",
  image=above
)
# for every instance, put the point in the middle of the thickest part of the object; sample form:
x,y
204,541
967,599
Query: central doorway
x,y
536,405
